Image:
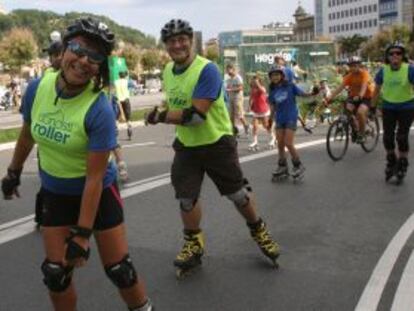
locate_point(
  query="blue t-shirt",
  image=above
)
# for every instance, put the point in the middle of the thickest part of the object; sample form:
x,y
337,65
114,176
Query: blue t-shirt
x,y
100,127
283,98
210,83
379,80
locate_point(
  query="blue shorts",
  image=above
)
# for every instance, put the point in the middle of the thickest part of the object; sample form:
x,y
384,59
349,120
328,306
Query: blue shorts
x,y
289,124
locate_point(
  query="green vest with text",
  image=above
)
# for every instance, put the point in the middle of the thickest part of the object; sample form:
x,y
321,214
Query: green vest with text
x,y
396,87
179,92
59,129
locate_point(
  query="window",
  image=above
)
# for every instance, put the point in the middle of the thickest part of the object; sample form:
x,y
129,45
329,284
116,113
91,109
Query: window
x,y
347,27
369,8
355,11
342,27
337,15
351,12
370,23
360,10
375,23
365,24
346,13
342,14
351,26
365,9
375,7
360,25
356,25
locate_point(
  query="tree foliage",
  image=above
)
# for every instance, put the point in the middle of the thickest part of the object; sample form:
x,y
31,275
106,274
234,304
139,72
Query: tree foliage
x,y
350,45
42,23
374,49
17,48
150,60
212,53
132,56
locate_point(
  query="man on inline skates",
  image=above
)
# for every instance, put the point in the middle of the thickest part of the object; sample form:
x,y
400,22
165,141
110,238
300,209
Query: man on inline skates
x,y
204,144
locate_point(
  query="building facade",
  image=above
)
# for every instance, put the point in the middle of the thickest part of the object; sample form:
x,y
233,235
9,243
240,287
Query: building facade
x,y
345,18
395,12
304,29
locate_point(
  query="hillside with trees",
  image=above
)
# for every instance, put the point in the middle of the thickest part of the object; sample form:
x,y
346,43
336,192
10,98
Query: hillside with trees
x,y
42,23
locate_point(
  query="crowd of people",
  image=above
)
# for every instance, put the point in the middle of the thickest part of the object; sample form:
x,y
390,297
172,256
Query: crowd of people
x,y
68,114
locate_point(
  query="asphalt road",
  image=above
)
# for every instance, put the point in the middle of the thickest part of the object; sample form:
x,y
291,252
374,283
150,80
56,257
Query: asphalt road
x,y
346,237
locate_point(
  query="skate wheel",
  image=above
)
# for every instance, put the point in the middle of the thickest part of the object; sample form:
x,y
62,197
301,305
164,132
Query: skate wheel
x,y
181,273
276,265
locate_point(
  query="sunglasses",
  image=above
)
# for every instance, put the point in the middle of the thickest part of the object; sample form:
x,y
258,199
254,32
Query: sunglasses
x,y
94,58
398,53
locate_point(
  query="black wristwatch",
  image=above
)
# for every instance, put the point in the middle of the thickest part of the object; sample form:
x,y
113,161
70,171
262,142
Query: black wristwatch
x,y
80,231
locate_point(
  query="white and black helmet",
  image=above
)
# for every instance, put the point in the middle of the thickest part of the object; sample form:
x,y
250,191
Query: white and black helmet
x,y
176,27
93,28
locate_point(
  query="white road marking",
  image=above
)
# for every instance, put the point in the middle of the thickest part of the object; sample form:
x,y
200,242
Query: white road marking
x,y
373,290
404,297
150,143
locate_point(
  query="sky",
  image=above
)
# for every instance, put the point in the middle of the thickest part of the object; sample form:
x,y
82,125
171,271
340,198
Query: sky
x,y
208,16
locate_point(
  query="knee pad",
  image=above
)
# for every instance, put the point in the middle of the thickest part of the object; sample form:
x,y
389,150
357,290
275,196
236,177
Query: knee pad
x,y
122,274
56,277
240,198
187,205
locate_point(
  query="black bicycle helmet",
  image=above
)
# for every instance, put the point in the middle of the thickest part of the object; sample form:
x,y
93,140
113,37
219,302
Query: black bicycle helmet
x,y
93,28
176,27
54,48
395,45
275,69
354,60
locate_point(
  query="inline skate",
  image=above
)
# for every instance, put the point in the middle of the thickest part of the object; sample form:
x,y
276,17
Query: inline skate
x,y
267,245
190,255
281,172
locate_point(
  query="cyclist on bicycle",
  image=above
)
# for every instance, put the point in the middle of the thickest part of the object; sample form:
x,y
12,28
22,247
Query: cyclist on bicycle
x,y
394,83
359,84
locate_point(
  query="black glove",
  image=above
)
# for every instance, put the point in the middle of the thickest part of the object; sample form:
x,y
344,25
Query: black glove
x,y
74,250
152,116
10,182
155,116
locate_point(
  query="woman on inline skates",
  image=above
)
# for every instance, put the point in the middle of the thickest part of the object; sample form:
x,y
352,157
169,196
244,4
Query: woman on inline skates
x,y
282,98
261,111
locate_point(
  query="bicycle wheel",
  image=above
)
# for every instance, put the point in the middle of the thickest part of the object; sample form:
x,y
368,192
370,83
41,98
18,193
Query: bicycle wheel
x,y
337,139
372,133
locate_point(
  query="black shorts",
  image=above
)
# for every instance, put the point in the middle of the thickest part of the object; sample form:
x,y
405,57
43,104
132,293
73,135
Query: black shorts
x,y
63,210
219,160
363,101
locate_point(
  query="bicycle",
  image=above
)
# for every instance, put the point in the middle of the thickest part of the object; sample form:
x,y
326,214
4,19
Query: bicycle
x,y
343,129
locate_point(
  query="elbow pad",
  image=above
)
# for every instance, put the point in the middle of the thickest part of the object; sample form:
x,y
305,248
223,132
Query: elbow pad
x,y
192,116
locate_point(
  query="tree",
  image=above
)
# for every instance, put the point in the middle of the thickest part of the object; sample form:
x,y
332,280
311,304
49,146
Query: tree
x,y
350,45
132,56
212,53
374,48
150,60
17,48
